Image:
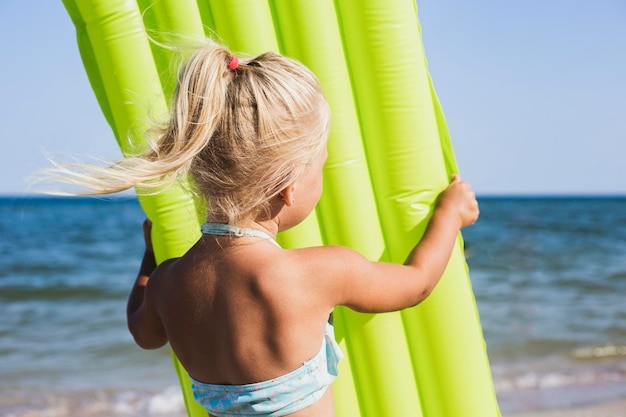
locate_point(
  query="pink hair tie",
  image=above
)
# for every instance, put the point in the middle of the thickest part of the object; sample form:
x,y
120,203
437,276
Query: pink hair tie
x,y
234,63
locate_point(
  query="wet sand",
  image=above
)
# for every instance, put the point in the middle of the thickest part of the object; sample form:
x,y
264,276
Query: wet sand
x,y
608,409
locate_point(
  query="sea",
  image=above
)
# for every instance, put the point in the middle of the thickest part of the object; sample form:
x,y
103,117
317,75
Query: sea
x,y
548,274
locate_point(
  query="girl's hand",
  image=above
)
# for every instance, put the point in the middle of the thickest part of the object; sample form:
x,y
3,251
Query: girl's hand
x,y
147,229
459,201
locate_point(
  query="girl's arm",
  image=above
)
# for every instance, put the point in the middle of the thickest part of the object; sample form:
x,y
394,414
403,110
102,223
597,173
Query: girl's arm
x,y
380,286
143,320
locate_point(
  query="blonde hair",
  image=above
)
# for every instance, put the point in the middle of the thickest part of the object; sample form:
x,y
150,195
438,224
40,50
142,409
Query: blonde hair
x,y
242,134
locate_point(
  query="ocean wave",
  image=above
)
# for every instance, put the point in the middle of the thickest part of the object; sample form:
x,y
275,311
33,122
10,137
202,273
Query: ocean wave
x,y
99,403
537,381
604,351
51,294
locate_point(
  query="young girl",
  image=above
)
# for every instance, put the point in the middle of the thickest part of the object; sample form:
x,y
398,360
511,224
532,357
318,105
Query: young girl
x,y
247,319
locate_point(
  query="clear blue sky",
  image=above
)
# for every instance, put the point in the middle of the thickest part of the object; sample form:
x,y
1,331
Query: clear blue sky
x,y
534,92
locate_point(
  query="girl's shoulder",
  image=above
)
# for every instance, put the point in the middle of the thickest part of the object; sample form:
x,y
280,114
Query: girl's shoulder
x,y
164,271
330,262
327,253
166,265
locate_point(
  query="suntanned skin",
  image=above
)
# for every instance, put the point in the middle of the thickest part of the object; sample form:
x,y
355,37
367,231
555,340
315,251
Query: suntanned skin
x,y
241,310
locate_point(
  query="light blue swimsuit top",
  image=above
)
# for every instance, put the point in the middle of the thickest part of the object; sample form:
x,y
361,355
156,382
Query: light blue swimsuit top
x,y
280,396
221,229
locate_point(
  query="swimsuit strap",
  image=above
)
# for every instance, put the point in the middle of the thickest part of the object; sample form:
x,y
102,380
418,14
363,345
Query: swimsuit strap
x,y
222,229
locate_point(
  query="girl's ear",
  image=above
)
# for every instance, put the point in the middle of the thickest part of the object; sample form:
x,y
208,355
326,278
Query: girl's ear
x,y
288,194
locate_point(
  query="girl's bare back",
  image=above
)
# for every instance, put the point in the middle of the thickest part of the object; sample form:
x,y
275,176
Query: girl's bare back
x,y
235,312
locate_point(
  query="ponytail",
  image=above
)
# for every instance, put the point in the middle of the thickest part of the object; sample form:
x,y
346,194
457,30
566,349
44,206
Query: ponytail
x,y
198,101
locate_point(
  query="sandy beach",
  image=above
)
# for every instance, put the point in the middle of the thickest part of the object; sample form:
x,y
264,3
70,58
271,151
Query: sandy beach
x,y
608,409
